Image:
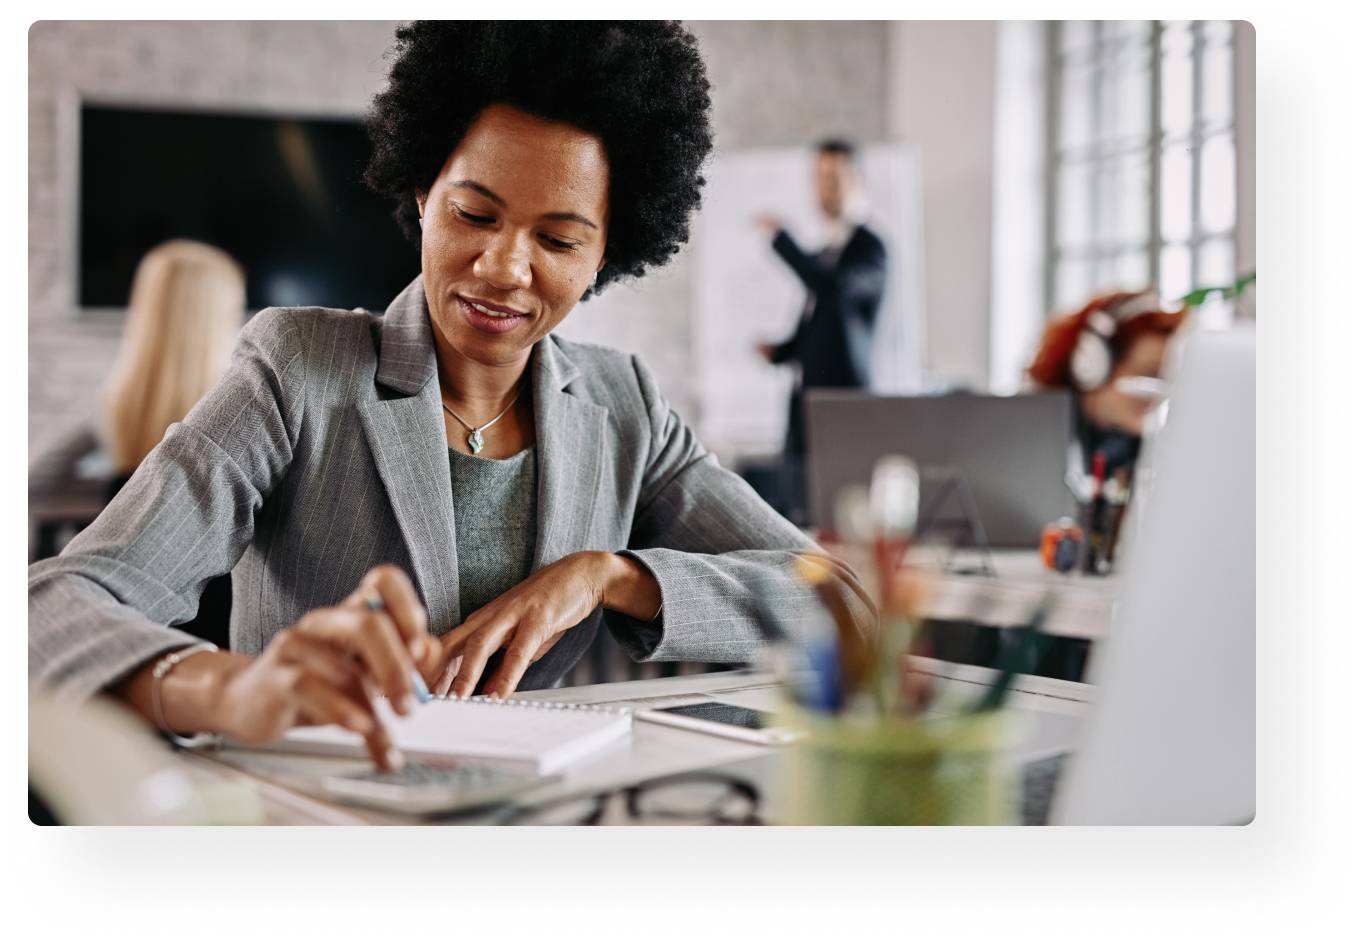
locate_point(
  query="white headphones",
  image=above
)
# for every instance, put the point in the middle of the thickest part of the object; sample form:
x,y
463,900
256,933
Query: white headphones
x,y
1091,362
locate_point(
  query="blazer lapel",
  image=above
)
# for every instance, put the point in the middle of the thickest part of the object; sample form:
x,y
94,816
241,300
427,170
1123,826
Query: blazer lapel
x,y
570,437
407,437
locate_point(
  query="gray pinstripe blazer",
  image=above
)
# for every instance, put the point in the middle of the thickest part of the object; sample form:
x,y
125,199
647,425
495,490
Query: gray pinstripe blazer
x,y
322,453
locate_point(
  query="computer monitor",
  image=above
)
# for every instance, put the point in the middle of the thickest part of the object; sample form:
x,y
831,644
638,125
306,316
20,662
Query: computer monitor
x,y
1010,450
1171,736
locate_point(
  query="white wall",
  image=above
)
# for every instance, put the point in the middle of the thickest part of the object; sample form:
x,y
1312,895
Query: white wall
x,y
1018,302
941,100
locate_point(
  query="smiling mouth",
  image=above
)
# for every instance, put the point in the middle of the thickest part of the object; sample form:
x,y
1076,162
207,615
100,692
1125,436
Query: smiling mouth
x,y
489,319
491,311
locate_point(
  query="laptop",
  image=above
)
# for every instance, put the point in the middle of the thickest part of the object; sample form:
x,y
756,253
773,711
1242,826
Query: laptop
x,y
1170,738
1011,451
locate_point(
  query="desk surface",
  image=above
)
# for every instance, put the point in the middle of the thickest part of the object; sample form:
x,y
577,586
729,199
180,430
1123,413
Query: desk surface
x,y
1082,605
1054,709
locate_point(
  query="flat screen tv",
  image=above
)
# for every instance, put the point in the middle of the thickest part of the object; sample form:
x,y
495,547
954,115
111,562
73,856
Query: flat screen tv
x,y
283,195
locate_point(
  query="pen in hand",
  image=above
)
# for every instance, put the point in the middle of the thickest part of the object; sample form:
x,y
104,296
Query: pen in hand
x,y
419,688
375,603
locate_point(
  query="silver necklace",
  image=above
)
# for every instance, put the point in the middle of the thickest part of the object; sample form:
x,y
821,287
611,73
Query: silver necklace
x,y
475,438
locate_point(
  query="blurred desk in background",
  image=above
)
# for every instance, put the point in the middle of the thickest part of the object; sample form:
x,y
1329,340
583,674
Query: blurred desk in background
x,y
974,606
959,589
1083,605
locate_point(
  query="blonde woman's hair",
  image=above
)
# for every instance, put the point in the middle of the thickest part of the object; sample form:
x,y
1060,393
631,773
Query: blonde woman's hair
x,y
188,302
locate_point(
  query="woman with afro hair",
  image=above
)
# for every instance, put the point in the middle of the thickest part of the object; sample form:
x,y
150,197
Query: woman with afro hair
x,y
447,490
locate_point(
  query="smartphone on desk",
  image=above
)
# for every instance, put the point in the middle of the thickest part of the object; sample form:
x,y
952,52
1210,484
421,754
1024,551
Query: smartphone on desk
x,y
722,719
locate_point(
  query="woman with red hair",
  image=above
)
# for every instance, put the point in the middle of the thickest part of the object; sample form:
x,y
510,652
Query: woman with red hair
x,y
1103,352
1109,353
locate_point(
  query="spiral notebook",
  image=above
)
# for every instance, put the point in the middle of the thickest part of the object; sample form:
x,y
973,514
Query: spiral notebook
x,y
541,737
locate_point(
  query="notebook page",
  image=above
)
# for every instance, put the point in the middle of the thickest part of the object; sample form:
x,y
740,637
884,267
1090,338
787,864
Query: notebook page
x,y
544,736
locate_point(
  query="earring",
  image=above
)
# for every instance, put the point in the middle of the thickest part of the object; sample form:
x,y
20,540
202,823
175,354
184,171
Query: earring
x,y
421,222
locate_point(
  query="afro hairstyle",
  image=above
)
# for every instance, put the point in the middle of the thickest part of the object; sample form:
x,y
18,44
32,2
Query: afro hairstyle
x,y
640,87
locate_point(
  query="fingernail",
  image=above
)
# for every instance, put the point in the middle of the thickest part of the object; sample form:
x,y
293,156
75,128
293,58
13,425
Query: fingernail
x,y
408,703
394,758
418,648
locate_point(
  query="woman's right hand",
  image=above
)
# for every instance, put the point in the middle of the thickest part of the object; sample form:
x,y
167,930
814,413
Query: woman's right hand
x,y
328,666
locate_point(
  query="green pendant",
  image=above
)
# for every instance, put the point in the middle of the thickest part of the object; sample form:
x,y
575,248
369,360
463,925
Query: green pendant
x,y
476,441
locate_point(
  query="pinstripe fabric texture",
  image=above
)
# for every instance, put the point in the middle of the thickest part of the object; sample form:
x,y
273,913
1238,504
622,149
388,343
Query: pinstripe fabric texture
x,y
322,453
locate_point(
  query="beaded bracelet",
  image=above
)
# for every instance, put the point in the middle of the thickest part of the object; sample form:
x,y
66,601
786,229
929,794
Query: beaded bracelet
x,y
162,668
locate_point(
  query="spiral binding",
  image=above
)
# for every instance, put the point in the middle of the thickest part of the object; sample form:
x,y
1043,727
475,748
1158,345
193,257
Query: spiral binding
x,y
541,705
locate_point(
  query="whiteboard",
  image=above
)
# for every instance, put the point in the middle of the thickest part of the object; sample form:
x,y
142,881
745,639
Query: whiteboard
x,y
744,294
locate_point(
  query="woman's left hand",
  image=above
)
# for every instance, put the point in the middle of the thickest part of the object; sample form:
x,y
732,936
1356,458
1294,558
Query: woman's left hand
x,y
529,618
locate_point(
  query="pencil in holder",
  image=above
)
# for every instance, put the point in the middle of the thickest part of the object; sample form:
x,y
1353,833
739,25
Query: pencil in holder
x,y
897,771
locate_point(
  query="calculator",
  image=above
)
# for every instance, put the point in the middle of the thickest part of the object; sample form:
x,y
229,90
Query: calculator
x,y
421,788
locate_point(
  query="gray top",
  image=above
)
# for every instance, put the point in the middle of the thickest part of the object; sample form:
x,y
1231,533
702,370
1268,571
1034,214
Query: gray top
x,y
494,523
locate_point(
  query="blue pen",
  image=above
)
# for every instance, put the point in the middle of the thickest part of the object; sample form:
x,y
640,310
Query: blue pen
x,y
375,603
827,695
419,689
821,689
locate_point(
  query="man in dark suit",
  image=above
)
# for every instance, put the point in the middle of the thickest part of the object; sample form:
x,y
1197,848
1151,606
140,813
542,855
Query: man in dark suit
x,y
832,343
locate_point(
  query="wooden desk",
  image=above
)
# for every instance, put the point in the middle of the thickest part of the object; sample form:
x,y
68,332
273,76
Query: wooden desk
x,y
1053,708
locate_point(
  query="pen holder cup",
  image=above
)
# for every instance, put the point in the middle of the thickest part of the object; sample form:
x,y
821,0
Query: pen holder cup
x,y
943,770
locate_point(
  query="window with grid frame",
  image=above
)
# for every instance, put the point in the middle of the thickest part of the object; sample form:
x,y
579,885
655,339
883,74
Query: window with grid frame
x,y
1141,168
